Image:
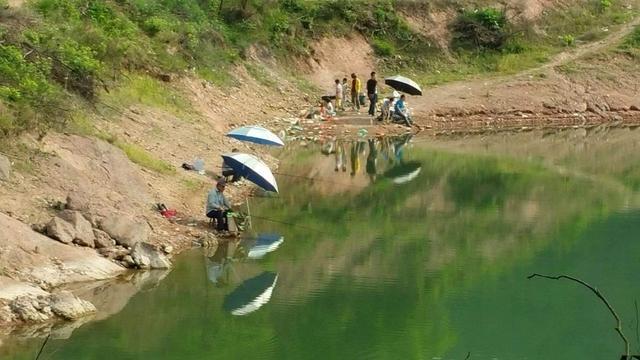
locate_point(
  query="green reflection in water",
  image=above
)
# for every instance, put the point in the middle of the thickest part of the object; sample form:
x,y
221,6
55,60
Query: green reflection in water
x,y
434,266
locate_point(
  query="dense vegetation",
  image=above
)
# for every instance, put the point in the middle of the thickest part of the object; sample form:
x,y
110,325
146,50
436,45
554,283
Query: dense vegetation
x,y
54,53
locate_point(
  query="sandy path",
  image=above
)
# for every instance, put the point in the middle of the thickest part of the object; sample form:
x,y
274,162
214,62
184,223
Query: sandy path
x,y
510,93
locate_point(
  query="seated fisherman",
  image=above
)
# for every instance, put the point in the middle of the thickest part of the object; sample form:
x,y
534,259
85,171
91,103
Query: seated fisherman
x,y
218,207
401,111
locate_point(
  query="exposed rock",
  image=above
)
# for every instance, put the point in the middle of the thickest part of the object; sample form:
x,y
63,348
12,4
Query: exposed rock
x,y
128,262
168,249
78,201
102,239
147,256
634,108
61,230
6,315
84,230
69,306
29,309
125,232
5,168
114,253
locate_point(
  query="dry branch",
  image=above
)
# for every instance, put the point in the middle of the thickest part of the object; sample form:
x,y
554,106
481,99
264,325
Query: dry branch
x,y
618,327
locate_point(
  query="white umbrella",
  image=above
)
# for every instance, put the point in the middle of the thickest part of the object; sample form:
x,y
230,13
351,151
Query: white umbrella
x,y
256,134
265,243
253,169
251,295
408,177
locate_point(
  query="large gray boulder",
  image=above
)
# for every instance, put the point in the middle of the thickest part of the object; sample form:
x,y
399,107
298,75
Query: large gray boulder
x,y
61,230
84,230
147,256
125,232
102,239
70,307
5,168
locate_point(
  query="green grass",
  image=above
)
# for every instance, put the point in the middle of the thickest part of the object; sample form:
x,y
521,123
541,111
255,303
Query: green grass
x,y
145,90
145,159
631,44
466,65
192,184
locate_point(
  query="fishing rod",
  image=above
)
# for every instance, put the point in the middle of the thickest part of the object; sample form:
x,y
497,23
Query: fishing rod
x,y
290,224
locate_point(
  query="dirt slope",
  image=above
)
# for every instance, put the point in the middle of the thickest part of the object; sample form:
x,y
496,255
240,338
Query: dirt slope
x,y
545,96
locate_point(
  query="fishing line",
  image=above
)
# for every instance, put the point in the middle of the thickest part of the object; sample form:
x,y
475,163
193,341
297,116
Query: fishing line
x,y
289,224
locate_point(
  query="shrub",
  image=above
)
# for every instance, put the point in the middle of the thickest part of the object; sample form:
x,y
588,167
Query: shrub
x,y
568,40
604,5
482,29
383,47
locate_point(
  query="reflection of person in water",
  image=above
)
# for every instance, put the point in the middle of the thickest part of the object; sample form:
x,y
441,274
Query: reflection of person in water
x,y
218,264
372,160
399,143
341,156
358,149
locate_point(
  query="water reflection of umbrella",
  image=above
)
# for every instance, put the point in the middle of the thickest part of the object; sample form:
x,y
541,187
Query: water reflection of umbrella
x,y
265,243
256,134
251,295
404,173
404,85
253,169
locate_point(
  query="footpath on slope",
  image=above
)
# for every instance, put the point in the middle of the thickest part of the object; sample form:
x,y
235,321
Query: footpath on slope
x,y
542,97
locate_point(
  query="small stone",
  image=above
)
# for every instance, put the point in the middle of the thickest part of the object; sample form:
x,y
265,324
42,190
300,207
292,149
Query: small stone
x,y
168,249
61,230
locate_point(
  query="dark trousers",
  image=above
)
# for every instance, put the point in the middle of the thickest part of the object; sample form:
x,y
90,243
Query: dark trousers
x,y
221,219
373,100
232,173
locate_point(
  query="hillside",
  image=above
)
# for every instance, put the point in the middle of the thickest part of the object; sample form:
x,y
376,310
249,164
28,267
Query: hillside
x,y
103,101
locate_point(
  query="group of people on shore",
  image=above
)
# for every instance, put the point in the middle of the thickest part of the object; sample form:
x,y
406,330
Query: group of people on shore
x,y
392,108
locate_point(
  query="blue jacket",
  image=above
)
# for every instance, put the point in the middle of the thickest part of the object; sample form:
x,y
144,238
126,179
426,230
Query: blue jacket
x,y
216,201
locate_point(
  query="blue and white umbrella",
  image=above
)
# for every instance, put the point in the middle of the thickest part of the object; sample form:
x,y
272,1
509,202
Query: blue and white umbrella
x,y
252,169
251,295
265,243
256,134
403,84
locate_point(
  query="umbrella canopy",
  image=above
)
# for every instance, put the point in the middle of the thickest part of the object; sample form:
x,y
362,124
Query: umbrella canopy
x,y
404,173
265,243
251,295
403,84
256,134
402,179
253,169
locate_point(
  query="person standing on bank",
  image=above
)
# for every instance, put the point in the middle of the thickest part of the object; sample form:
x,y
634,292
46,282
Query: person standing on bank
x,y
356,89
339,95
218,207
372,93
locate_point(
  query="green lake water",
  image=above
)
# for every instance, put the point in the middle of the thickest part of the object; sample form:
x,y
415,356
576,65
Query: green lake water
x,y
422,253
